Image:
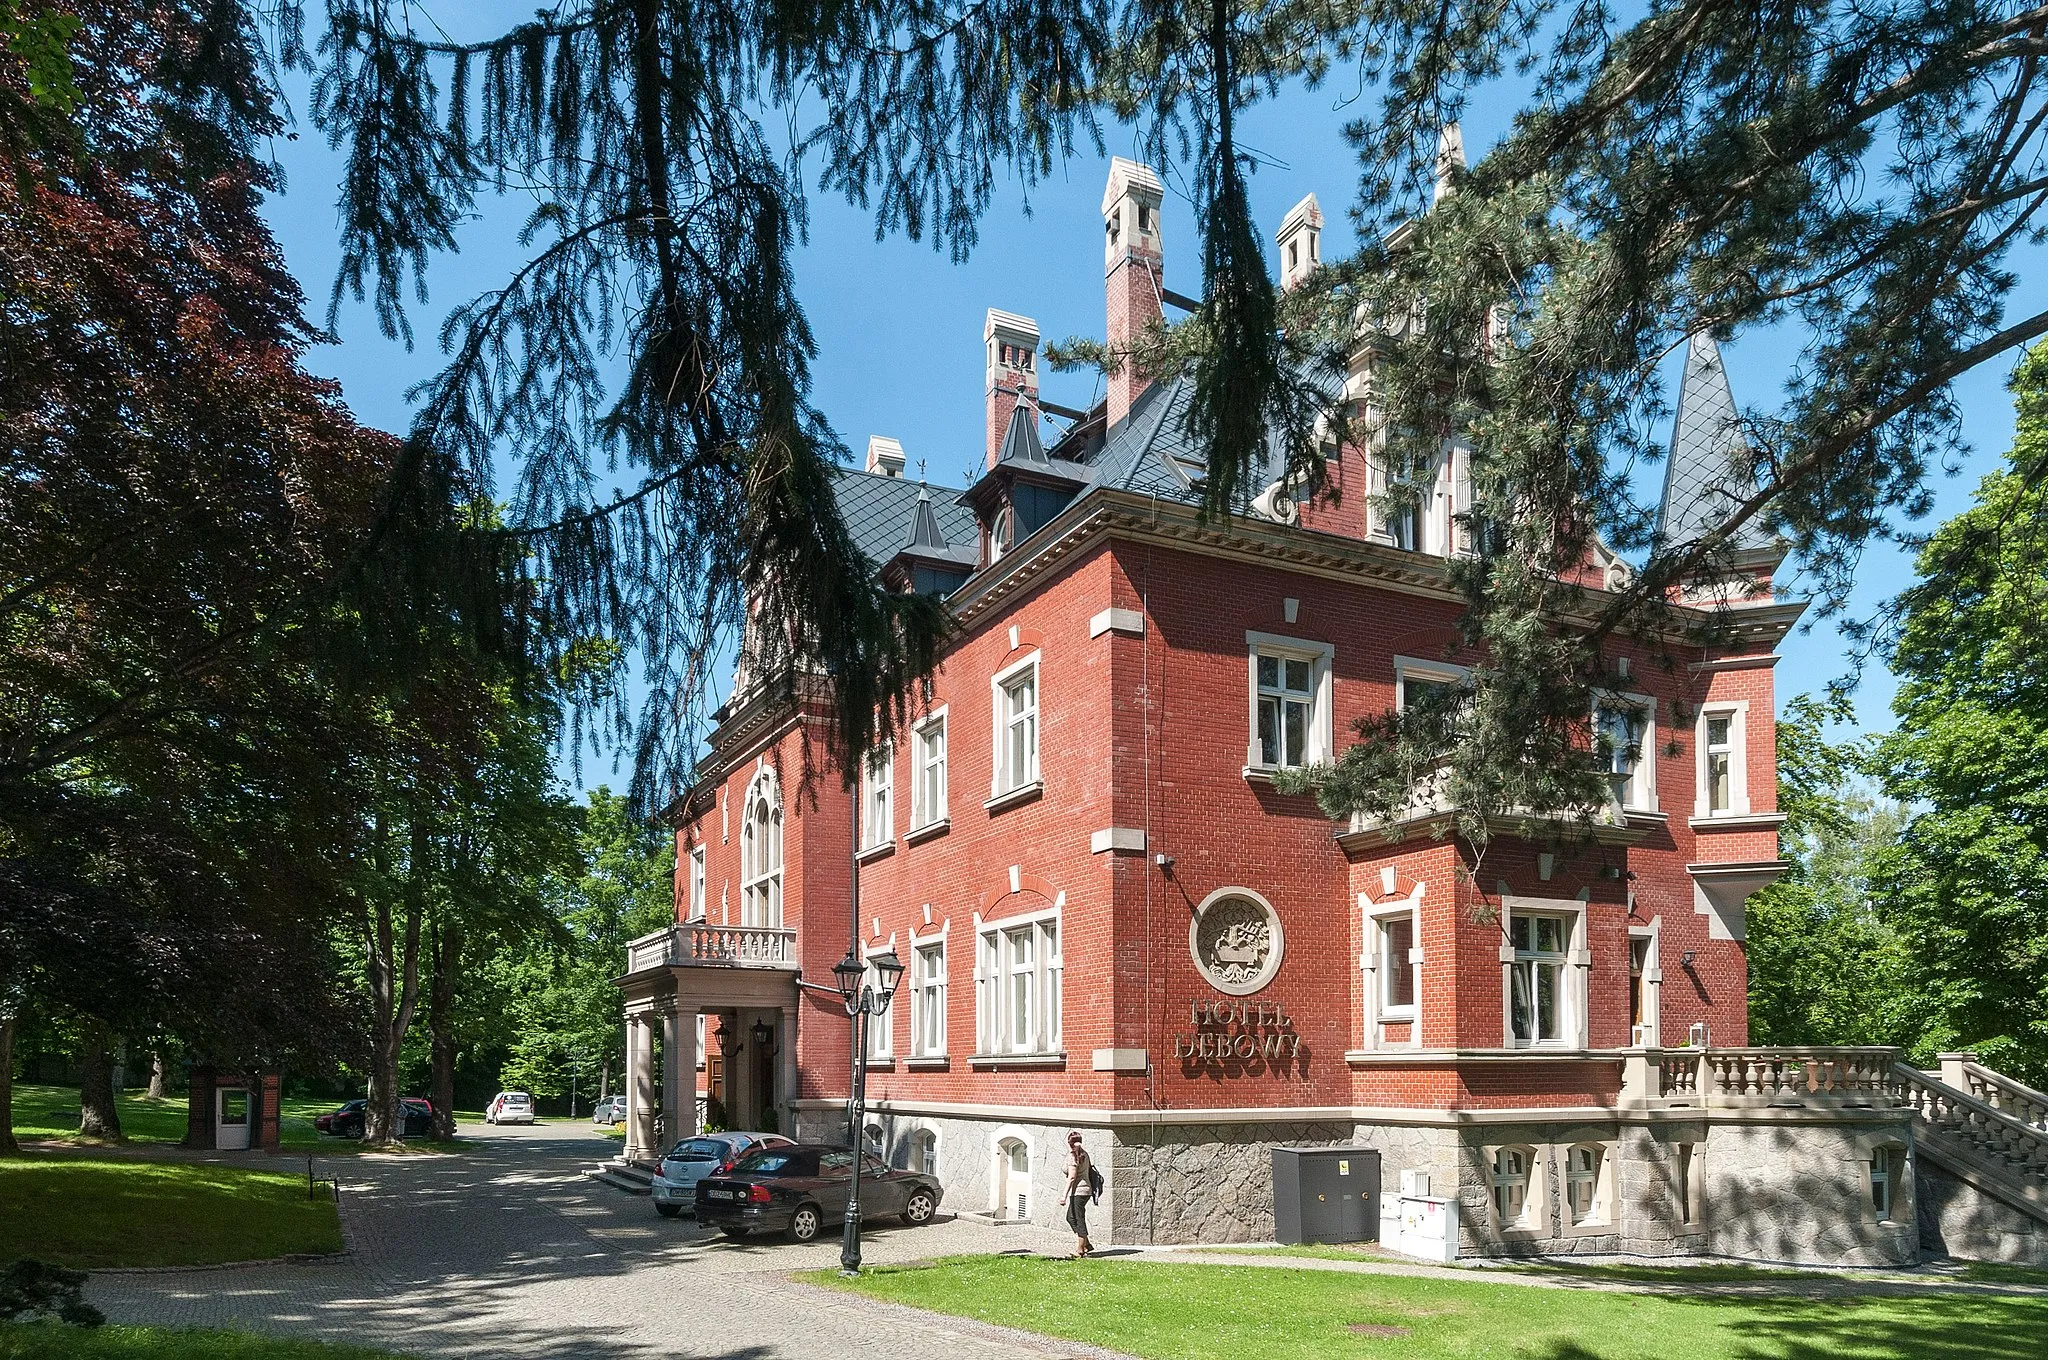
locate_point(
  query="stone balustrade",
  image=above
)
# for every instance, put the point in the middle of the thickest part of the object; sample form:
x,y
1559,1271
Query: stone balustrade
x,y
1430,797
1963,1072
699,944
1992,1134
1758,1078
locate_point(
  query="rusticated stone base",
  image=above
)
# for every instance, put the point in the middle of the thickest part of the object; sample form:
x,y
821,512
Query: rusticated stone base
x,y
1958,1220
1206,1183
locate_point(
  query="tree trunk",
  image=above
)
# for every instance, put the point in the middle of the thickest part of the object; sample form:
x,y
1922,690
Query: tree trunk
x,y
7,1144
393,968
447,964
98,1116
156,1075
604,1090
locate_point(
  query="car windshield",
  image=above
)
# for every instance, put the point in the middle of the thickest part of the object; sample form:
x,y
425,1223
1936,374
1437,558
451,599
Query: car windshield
x,y
781,1161
700,1150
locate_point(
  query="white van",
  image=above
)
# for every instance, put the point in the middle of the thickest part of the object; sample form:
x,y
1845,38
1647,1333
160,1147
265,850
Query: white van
x,y
509,1107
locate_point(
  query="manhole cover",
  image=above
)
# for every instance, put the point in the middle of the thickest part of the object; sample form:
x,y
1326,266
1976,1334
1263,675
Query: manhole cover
x,y
1375,1329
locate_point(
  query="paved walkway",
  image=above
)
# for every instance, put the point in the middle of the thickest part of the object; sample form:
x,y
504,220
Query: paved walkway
x,y
509,1249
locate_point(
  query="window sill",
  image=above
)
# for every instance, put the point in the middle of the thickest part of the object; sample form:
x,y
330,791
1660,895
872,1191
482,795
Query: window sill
x,y
928,831
1009,798
1645,817
1019,1059
880,850
1261,776
936,1062
1737,821
1589,1228
884,1064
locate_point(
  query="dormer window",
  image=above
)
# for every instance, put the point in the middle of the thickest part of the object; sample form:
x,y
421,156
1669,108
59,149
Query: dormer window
x,y
1002,531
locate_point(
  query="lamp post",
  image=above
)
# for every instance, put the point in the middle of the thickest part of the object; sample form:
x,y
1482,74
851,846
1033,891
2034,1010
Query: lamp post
x,y
862,1001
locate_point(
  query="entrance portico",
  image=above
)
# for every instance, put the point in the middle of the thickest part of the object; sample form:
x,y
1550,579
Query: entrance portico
x,y
747,975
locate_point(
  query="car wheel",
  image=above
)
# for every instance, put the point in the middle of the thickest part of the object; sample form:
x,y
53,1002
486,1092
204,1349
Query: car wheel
x,y
668,1210
919,1209
805,1223
734,1233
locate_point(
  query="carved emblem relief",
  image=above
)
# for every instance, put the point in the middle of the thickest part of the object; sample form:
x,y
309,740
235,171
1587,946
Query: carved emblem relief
x,y
1236,941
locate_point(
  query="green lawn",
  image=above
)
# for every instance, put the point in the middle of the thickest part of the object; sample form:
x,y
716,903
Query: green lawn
x,y
52,1112
1192,1312
93,1212
48,1341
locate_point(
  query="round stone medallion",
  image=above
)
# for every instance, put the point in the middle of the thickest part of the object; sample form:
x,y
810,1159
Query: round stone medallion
x,y
1236,940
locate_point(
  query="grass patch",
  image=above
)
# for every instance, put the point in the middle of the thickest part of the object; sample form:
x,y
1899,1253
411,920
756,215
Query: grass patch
x,y
48,1341
51,1112
1716,1272
1992,1272
89,1213
1195,1312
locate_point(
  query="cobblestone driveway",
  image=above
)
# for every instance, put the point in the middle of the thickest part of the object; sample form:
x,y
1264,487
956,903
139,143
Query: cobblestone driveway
x,y
509,1250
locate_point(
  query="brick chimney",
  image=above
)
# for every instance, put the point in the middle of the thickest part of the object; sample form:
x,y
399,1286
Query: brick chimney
x,y
1012,344
1132,269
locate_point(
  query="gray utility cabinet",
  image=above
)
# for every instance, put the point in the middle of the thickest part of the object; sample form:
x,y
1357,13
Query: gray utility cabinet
x,y
1326,1194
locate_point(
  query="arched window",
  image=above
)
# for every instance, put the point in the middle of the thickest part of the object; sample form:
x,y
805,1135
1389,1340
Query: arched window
x,y
1511,1185
1582,1172
761,854
924,1152
1013,1179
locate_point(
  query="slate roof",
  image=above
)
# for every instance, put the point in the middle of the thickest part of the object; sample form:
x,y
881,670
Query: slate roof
x,y
879,511
1708,473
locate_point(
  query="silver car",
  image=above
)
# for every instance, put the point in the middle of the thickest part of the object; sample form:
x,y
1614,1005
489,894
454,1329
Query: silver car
x,y
609,1110
690,1161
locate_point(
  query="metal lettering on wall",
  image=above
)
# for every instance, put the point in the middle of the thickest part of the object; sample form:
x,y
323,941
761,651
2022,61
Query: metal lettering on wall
x,y
1246,1034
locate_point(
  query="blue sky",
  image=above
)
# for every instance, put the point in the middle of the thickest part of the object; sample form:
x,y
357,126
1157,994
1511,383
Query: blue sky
x,y
899,326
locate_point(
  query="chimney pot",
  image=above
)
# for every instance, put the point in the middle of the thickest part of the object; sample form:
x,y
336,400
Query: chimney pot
x,y
1133,267
1011,343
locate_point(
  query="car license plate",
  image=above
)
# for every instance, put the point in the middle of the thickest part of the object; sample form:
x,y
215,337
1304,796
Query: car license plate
x,y
721,1194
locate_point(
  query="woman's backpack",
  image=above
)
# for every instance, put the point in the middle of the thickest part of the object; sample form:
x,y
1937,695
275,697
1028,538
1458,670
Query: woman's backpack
x,y
1094,1180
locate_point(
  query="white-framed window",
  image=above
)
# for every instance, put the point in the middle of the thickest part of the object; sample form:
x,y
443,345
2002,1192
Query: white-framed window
x,y
924,1152
701,1028
928,1000
878,795
761,854
1722,746
882,1024
1291,723
1585,1184
699,905
1413,678
1513,1175
1884,1169
1626,727
928,772
1539,981
1016,735
1018,986
1395,940
1644,988
1435,519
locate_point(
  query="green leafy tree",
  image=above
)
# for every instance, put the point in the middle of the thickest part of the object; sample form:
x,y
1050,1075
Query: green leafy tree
x,y
1969,874
1826,964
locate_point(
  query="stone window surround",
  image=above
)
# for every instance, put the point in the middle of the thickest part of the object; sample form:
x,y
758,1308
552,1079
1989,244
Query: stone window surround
x,y
881,1028
1653,980
1002,780
999,1169
917,942
1904,1209
1645,706
923,818
761,893
1436,672
1738,758
990,1017
878,785
1578,961
700,896
1602,1218
1322,741
1535,1220
1376,1014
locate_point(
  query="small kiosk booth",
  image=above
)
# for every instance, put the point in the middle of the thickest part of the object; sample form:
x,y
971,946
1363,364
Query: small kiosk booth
x,y
231,1111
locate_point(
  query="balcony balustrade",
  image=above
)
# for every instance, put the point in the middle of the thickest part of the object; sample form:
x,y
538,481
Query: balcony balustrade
x,y
1762,1078
1430,800
701,944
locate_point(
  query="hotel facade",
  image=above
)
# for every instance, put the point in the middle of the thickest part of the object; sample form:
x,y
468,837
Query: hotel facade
x,y
1112,920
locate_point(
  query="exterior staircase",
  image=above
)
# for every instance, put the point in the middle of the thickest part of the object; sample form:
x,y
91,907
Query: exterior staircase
x,y
1983,1128
620,1174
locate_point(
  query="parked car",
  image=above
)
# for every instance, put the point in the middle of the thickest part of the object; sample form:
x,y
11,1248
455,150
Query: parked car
x,y
802,1188
509,1107
610,1110
690,1161
415,1118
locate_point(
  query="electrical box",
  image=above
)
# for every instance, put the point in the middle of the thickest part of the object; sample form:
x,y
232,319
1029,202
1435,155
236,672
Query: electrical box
x,y
1324,1194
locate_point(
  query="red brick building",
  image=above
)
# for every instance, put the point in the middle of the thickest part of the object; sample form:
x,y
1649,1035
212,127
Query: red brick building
x,y
1111,918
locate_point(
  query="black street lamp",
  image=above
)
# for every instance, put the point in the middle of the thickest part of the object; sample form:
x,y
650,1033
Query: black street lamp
x,y
862,1001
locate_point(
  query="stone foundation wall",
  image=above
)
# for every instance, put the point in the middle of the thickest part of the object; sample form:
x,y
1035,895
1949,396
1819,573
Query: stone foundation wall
x,y
1199,1183
1799,1192
1961,1221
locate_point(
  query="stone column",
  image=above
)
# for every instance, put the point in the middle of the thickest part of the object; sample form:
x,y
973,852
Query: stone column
x,y
679,1076
785,1067
639,1090
742,1100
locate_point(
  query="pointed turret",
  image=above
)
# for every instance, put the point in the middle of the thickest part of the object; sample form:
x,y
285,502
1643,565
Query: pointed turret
x,y
1709,472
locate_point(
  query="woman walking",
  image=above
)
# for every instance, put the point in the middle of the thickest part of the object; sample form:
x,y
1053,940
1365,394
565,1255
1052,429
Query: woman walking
x,y
1082,1180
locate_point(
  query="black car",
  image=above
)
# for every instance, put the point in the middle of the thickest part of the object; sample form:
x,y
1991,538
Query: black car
x,y
800,1188
415,1118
